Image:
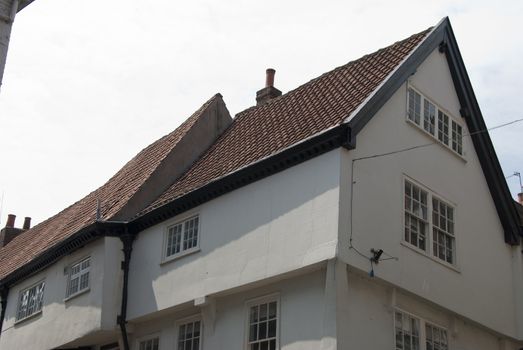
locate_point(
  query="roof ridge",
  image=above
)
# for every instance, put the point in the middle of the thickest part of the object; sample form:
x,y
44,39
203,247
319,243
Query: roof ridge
x,y
336,69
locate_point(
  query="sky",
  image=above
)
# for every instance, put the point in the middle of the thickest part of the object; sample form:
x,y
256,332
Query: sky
x,y
89,83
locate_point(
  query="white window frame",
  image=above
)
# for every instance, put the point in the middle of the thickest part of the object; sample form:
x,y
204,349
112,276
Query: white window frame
x,y
182,252
429,238
19,303
81,272
435,136
147,338
422,328
275,297
185,321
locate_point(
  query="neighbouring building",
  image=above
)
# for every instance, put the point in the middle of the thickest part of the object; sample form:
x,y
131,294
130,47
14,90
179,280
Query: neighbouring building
x,y
366,209
8,10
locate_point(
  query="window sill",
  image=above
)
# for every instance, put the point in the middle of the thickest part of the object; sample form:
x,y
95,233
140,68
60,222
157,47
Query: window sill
x,y
436,141
179,255
72,296
17,322
433,258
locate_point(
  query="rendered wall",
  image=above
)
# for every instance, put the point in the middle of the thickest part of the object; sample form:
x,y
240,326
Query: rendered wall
x,y
64,321
301,324
278,224
371,323
480,287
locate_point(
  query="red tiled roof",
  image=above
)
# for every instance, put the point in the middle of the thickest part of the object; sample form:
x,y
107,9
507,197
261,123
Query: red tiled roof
x,y
113,195
261,131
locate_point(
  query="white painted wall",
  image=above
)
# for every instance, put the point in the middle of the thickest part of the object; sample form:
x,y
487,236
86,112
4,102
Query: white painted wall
x,y
301,321
64,321
480,287
275,225
371,323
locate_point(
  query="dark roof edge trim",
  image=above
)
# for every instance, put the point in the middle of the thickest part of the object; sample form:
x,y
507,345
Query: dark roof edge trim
x,y
294,155
442,36
76,241
471,112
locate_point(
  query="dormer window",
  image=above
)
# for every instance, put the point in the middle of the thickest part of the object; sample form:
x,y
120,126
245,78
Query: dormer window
x,y
434,121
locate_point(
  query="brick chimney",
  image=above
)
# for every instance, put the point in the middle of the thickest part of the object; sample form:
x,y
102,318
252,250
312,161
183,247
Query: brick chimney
x,y
10,231
269,91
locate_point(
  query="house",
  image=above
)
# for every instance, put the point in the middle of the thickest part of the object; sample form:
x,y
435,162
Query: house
x,y
8,11
365,209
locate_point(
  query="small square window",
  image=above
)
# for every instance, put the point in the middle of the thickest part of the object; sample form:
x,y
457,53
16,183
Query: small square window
x,y
30,301
78,278
182,237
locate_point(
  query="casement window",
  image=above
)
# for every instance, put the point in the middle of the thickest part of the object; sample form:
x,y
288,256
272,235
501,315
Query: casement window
x,y
263,324
189,334
434,121
182,237
30,301
420,227
151,343
78,280
413,333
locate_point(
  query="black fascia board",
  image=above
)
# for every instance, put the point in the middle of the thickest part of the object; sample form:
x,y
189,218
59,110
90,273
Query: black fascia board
x,y
488,159
395,80
308,149
84,236
442,37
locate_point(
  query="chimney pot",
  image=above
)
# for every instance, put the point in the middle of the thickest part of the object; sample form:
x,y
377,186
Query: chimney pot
x,y
27,223
520,198
269,91
10,220
269,77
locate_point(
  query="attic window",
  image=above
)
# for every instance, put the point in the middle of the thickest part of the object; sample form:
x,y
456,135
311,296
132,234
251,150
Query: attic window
x,y
444,128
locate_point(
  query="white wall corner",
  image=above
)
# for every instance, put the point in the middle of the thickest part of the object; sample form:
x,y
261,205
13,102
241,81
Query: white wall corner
x,y
335,309
208,309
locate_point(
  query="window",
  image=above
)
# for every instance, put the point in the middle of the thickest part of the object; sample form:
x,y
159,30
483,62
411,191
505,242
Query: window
x,y
443,230
443,127
407,332
189,335
418,202
409,335
182,237
457,138
429,117
436,338
414,106
416,220
30,301
150,344
78,277
263,325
